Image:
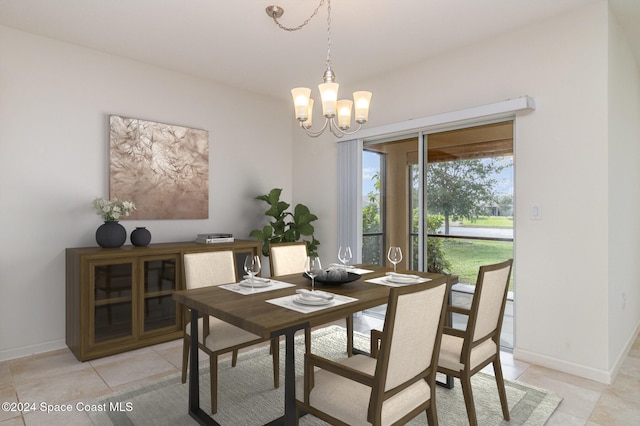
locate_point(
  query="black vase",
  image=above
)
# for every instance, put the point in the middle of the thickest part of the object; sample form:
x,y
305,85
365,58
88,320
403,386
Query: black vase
x,y
111,234
140,237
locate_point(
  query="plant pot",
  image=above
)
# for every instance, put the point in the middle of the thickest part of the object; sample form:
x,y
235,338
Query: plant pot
x,y
140,237
111,234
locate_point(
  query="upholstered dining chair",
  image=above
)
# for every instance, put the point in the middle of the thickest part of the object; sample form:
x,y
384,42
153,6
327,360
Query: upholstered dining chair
x,y
216,337
465,352
289,258
397,385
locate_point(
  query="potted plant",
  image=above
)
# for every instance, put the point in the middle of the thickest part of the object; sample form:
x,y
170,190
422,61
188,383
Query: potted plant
x,y
111,234
284,225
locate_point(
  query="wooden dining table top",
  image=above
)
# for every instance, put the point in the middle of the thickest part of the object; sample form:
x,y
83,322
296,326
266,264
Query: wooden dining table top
x,y
251,312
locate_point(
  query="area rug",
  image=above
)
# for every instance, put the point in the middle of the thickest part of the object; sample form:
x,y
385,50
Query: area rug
x,y
246,395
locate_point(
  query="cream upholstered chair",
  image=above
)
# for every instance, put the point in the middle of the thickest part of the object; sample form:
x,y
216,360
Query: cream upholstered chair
x,y
465,352
397,385
215,336
289,258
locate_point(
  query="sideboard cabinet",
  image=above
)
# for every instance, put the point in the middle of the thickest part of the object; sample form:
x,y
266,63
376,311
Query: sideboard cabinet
x,y
121,299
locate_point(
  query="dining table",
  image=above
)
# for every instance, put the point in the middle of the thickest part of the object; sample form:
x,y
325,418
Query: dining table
x,y
267,312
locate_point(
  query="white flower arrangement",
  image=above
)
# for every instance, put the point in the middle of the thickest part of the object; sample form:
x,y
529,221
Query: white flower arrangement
x,y
112,210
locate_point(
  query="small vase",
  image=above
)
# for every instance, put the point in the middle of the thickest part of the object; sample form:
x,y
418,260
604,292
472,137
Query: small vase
x,y
111,234
140,237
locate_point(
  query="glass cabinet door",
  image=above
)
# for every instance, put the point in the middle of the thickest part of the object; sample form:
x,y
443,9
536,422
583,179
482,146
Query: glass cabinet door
x,y
112,307
159,282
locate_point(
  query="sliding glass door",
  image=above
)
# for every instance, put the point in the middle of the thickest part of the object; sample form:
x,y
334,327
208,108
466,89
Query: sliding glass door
x,y
446,199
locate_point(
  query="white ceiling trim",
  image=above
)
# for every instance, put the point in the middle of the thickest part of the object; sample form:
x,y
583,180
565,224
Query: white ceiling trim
x,y
447,121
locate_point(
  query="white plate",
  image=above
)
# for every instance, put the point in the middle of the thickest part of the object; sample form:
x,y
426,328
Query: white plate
x,y
311,301
401,280
255,284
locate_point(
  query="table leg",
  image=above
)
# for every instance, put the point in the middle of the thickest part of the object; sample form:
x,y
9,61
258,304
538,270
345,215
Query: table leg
x,y
289,417
194,377
350,335
447,384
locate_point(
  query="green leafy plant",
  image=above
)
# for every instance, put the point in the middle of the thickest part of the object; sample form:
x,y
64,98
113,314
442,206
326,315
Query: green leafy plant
x,y
436,259
112,210
286,227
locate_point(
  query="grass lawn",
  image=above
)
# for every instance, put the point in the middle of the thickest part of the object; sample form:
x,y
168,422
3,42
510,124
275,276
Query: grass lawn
x,y
466,256
490,222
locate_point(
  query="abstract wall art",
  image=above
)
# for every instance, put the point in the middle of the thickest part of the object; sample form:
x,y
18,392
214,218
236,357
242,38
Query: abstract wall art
x,y
162,168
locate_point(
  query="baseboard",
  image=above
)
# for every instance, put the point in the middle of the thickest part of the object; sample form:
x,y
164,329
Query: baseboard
x,y
23,351
601,376
618,364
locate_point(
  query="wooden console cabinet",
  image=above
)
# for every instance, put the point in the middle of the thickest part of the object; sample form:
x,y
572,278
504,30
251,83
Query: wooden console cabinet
x,y
121,299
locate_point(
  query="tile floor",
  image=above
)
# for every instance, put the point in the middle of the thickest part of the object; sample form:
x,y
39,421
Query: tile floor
x,y
58,378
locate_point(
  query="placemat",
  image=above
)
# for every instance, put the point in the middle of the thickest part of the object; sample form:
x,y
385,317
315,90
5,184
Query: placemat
x,y
287,302
384,281
275,285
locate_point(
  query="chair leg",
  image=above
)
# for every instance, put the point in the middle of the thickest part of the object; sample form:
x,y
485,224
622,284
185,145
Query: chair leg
x,y
185,357
432,416
350,335
497,369
275,352
213,370
307,340
234,358
465,381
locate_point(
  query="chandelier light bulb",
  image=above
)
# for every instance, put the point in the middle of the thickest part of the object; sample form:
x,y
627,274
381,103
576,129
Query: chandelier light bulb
x,y
301,102
344,113
309,122
362,100
329,95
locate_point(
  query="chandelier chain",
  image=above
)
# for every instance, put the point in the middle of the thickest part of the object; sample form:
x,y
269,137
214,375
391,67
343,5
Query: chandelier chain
x,y
328,34
304,24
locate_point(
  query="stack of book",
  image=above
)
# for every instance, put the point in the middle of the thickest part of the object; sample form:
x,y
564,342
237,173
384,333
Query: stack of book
x,y
214,238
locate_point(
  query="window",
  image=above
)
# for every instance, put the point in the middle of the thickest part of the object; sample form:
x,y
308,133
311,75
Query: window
x,y
373,223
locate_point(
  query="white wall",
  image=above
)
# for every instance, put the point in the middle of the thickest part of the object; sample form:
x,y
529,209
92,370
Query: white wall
x,y
562,262
55,100
624,196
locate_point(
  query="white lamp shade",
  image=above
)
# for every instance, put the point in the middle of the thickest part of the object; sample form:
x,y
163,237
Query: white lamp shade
x,y
309,122
301,102
329,95
362,101
344,113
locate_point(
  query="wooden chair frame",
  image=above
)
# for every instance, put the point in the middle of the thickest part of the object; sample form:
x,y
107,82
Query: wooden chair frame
x,y
381,347
213,355
307,331
469,344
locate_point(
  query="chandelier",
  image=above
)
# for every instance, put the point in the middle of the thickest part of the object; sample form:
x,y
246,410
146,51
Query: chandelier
x,y
337,113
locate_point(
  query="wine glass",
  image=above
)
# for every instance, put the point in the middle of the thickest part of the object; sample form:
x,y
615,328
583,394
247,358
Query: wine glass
x,y
252,266
312,268
395,256
344,255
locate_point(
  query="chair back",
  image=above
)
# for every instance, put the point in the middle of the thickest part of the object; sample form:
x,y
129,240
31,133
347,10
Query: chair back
x,y
209,268
287,258
490,296
411,338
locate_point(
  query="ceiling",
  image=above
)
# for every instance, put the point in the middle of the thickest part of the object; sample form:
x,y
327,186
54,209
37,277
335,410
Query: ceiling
x,y
237,44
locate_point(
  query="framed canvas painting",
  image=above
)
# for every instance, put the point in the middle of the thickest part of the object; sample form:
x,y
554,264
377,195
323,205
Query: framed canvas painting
x,y
162,168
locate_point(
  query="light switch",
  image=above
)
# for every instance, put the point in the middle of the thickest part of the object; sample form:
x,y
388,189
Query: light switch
x,y
535,212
